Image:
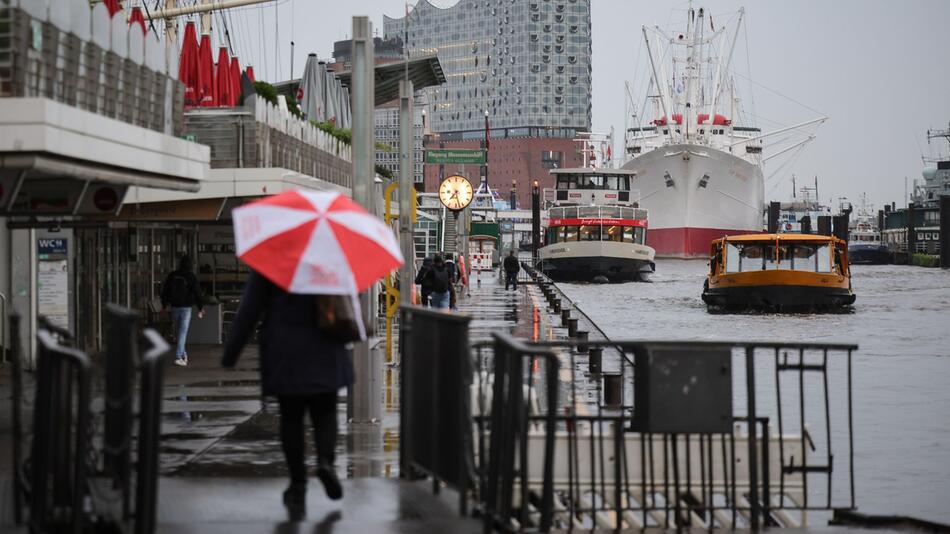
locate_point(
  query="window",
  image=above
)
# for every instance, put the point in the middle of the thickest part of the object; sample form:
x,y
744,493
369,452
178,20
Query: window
x,y
824,259
552,159
570,234
639,234
629,236
589,232
804,258
613,233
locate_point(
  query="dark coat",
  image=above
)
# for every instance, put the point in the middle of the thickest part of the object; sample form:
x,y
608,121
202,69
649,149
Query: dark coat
x,y
511,265
193,296
296,357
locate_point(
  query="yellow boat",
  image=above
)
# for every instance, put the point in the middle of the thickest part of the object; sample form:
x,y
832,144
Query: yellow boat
x,y
778,272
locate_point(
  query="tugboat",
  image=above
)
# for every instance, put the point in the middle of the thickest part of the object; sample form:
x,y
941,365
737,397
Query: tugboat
x,y
778,273
595,231
864,239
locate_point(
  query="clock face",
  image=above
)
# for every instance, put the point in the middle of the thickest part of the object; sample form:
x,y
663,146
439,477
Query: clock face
x,y
456,192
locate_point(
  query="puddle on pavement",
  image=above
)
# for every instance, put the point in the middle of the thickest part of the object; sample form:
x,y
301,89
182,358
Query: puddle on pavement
x,y
202,414
225,383
212,398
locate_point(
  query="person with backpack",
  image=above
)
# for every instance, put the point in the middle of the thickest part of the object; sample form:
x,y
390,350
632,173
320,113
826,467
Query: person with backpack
x,y
425,286
511,270
454,276
440,280
181,292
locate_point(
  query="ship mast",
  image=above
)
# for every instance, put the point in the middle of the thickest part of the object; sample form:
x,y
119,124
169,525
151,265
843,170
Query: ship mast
x,y
659,83
722,69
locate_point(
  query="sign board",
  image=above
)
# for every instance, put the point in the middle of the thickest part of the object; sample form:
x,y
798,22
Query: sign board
x,y
481,261
48,246
441,156
52,291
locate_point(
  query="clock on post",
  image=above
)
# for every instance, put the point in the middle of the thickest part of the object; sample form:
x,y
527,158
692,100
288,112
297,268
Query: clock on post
x,y
456,192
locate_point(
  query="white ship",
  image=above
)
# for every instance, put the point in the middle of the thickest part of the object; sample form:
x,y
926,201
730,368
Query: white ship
x,y
698,172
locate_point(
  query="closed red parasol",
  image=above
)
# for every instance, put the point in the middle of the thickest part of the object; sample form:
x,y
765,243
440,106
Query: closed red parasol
x,y
223,82
207,96
136,17
113,6
236,81
188,65
250,74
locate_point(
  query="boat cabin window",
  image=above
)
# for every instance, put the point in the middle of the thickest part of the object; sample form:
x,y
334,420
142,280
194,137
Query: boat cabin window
x,y
570,233
593,181
590,232
614,233
748,257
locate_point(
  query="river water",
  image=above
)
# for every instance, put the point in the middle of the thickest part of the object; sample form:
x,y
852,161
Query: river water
x,y
901,322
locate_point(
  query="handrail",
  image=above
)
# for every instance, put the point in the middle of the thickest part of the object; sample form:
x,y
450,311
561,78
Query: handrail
x,y
56,494
3,328
150,411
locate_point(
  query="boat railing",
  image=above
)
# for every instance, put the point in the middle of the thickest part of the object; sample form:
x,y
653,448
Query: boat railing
x,y
597,212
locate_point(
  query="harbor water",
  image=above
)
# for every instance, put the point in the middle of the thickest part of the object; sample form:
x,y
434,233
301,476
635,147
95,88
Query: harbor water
x,y
901,395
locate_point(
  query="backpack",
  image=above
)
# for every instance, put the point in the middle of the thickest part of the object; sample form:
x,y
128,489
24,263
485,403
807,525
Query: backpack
x,y
440,280
178,290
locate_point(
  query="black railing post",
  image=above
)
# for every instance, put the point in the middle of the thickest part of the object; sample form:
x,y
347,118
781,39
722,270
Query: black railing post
x,y
150,422
121,355
17,386
753,449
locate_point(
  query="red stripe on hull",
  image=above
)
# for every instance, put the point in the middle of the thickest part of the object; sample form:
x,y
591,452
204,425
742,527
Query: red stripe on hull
x,y
687,242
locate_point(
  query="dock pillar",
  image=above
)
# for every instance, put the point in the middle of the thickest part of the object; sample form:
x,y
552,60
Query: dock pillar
x,y
582,336
572,327
556,305
824,225
613,397
945,231
805,225
911,232
565,316
594,359
774,209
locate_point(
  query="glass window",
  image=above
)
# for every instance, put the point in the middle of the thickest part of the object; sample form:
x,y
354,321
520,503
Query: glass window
x,y
628,234
570,233
804,258
639,234
751,258
732,258
778,257
561,234
590,232
824,259
613,233
612,183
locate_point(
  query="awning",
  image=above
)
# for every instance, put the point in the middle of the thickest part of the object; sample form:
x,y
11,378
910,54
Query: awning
x,y
48,184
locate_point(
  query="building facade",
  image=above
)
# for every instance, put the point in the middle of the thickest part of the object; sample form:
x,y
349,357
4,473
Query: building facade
x,y
527,63
387,133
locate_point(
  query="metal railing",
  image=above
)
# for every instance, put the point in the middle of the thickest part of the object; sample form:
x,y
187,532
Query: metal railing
x,y
20,487
152,368
435,430
60,423
663,441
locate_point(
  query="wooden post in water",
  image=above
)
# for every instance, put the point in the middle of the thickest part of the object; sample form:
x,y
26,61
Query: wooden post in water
x,y
945,231
911,226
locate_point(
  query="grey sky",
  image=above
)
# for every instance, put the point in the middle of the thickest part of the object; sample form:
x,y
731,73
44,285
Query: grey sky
x,y
879,70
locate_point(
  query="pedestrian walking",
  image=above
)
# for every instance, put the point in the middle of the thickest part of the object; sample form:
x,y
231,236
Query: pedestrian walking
x,y
512,267
304,367
454,276
440,281
310,254
425,286
181,292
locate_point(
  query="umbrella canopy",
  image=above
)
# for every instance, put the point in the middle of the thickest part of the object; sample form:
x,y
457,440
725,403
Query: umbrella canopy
x,y
188,65
223,74
330,95
113,6
315,243
236,81
310,92
250,73
206,88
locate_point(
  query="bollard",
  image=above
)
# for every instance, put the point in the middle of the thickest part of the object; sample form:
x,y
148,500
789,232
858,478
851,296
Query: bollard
x,y
582,336
565,316
612,390
571,327
556,305
594,359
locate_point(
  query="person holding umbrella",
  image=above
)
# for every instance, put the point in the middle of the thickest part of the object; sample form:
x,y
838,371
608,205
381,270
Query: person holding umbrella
x,y
305,249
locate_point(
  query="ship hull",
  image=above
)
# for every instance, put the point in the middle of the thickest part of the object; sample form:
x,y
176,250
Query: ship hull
x,y
585,261
868,255
696,194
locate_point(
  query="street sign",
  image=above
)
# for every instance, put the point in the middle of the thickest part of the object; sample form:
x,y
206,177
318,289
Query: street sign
x,y
459,156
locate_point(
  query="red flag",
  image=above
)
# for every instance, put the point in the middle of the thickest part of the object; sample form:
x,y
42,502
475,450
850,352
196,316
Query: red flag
x,y
113,6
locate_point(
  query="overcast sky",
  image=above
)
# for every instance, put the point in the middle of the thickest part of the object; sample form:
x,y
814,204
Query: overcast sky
x,y
879,70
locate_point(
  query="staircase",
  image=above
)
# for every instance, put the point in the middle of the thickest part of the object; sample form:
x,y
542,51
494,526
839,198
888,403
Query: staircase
x,y
449,231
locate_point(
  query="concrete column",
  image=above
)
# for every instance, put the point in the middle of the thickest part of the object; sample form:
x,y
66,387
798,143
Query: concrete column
x,y
366,358
406,167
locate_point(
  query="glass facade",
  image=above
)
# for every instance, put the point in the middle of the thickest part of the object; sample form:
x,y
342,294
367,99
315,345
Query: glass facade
x,y
387,133
526,62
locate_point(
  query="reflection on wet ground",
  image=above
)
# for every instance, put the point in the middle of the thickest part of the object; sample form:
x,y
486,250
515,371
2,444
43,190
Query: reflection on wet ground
x,y
217,424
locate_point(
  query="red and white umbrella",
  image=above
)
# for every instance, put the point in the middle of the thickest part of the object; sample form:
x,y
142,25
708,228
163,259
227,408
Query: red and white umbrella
x,y
315,243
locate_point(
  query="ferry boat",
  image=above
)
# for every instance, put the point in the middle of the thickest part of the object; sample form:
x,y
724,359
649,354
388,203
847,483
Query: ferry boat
x,y
595,231
698,162
778,272
864,239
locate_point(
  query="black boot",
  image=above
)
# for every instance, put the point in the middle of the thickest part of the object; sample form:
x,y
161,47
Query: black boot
x,y
327,475
295,499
